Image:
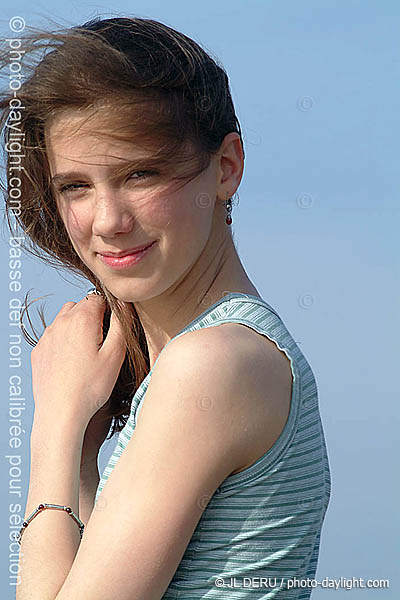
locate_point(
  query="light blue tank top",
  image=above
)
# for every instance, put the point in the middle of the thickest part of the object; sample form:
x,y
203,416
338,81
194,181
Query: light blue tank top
x,y
260,531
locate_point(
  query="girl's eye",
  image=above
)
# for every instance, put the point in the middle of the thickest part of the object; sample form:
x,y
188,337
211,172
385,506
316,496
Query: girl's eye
x,y
70,187
143,174
75,187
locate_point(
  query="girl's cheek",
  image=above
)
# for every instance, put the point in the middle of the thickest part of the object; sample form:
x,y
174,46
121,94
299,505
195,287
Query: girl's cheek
x,y
77,223
156,214
169,211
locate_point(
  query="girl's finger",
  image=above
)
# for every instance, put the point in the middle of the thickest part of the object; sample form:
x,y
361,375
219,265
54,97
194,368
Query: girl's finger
x,y
66,306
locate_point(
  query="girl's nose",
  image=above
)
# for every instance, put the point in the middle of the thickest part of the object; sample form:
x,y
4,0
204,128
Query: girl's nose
x,y
111,215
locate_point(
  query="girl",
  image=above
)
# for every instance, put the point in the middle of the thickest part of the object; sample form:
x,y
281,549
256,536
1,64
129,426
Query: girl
x,y
219,482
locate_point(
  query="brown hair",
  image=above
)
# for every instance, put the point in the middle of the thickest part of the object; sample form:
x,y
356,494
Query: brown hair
x,y
120,64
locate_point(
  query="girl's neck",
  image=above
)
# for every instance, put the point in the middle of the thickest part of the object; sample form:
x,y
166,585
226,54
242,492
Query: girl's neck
x,y
164,316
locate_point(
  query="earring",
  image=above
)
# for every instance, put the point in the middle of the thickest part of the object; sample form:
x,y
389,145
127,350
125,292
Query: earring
x,y
228,206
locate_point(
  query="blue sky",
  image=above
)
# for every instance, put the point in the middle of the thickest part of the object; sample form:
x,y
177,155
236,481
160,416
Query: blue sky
x,y
316,88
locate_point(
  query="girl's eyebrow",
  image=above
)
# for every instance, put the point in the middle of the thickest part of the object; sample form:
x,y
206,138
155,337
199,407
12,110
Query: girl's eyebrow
x,y
60,177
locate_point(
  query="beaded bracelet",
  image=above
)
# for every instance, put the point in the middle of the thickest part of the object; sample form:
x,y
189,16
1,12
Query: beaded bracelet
x,y
43,506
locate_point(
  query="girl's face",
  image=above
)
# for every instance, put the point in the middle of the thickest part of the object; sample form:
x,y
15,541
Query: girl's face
x,y
112,214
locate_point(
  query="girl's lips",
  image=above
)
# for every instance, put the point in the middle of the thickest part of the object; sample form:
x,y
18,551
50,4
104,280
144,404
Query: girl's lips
x,y
122,262
126,252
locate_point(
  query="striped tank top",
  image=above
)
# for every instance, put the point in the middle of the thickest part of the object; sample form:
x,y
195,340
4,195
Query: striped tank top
x,y
259,534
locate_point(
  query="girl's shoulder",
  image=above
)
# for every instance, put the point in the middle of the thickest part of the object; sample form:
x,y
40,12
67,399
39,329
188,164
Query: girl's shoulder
x,y
236,341
245,372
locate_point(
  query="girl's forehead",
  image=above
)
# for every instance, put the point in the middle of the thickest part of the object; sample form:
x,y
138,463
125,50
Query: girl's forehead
x,y
93,133
74,131
68,124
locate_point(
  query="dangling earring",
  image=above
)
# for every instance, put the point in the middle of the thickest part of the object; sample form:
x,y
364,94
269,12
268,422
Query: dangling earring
x,y
228,206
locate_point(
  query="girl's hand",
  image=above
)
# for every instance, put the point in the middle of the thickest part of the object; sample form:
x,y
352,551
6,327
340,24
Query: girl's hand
x,y
73,372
